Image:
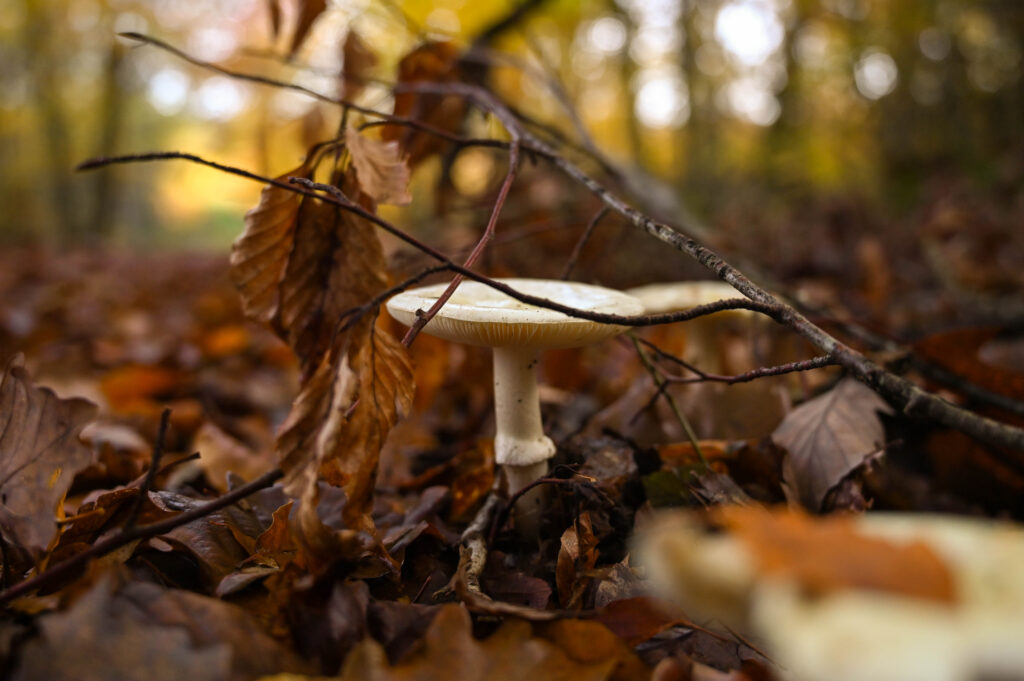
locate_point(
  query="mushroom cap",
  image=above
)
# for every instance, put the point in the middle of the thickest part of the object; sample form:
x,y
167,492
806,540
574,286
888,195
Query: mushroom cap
x,y
480,315
682,295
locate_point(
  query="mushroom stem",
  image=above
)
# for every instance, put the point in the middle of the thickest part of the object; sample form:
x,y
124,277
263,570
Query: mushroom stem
x,y
519,441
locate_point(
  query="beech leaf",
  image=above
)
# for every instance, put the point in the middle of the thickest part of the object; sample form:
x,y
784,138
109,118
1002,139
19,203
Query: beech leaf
x,y
380,168
40,453
828,437
260,256
306,267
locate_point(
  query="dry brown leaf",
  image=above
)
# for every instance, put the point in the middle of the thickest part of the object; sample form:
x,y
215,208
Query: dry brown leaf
x,y
380,168
117,645
332,433
260,256
300,265
357,59
637,619
309,10
577,556
826,554
828,437
40,453
428,63
450,652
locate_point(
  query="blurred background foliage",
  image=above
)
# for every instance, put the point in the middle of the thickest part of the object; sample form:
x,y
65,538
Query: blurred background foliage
x,y
749,111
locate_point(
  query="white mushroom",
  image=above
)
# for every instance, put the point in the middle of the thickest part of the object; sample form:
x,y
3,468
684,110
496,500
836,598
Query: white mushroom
x,y
702,333
478,314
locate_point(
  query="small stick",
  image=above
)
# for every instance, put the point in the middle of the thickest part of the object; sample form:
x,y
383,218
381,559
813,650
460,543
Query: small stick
x,y
578,248
154,466
485,238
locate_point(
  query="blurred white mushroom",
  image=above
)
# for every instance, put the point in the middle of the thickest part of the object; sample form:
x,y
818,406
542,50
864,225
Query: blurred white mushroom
x,y
856,634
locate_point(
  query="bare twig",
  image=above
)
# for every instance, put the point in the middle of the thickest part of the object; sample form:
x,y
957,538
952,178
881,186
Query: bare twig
x,y
154,466
351,316
754,374
660,383
55,573
584,238
499,203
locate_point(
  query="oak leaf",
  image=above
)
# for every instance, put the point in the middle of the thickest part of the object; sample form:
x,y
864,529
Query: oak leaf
x,y
40,453
828,437
380,168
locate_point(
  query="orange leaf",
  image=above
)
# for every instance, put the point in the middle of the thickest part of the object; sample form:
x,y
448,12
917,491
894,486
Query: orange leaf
x,y
128,387
827,554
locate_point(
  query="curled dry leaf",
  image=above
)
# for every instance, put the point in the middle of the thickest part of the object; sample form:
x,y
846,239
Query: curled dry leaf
x,y
300,266
577,556
40,453
380,168
829,437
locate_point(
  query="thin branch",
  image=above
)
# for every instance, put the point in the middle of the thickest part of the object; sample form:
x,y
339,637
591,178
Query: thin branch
x,y
499,203
754,374
350,317
584,238
55,573
660,383
154,466
386,118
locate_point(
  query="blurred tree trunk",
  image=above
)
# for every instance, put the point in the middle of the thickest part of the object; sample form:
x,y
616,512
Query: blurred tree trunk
x,y
104,214
53,122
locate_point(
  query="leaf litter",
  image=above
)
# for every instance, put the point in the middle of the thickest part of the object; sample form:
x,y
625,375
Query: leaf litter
x,y
336,571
